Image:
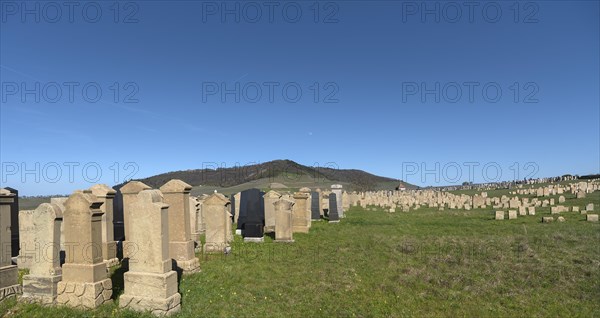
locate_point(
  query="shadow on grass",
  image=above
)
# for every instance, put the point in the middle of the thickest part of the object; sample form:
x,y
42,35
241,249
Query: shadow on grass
x,y
118,280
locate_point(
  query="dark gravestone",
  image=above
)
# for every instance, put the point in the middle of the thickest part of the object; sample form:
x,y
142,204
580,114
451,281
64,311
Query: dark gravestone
x,y
252,214
14,223
315,206
333,212
118,221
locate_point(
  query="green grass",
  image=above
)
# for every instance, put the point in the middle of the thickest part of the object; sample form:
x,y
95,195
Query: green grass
x,y
420,263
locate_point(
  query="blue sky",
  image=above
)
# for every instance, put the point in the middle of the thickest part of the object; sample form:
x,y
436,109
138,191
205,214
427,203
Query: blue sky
x,y
371,61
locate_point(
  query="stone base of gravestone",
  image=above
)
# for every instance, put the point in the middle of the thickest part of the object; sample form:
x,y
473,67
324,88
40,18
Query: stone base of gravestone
x,y
238,232
254,239
215,247
191,265
84,295
40,289
188,266
156,293
253,230
284,241
9,285
336,221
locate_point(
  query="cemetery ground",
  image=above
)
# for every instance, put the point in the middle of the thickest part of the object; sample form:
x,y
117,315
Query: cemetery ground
x,y
424,262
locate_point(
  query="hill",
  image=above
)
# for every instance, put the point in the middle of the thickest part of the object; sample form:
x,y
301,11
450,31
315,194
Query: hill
x,y
261,175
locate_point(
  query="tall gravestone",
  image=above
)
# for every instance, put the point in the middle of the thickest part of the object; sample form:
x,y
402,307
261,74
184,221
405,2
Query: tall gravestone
x,y
217,217
270,198
300,220
60,202
41,284
9,285
181,247
14,221
307,205
283,220
194,206
84,279
150,283
129,194
315,206
252,215
333,206
27,248
337,190
201,217
109,246
235,207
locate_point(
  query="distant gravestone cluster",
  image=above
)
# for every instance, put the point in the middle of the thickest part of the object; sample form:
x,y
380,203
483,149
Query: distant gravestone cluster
x,y
68,245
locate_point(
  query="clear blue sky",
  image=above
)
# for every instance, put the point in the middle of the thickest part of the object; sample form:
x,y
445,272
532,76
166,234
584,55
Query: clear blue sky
x,y
368,59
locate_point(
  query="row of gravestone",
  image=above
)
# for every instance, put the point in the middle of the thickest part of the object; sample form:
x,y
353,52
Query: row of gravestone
x,y
159,241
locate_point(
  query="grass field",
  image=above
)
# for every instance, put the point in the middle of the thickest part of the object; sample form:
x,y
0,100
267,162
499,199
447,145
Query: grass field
x,y
421,263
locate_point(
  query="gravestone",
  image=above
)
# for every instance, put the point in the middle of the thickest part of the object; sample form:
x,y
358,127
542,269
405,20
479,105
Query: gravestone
x,y
85,282
60,202
9,274
547,219
150,283
337,190
217,219
315,206
236,200
512,214
283,220
41,284
14,221
589,207
176,194
109,246
27,248
129,194
270,198
531,210
252,215
499,215
300,219
194,213
333,213
592,217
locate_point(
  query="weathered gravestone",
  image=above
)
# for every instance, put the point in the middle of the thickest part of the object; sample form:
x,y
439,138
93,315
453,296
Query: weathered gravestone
x,y
60,202
270,198
85,282
236,200
194,213
150,283
499,215
217,219
176,194
315,206
27,248
9,285
41,284
300,217
283,220
252,215
333,212
129,194
592,217
109,246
